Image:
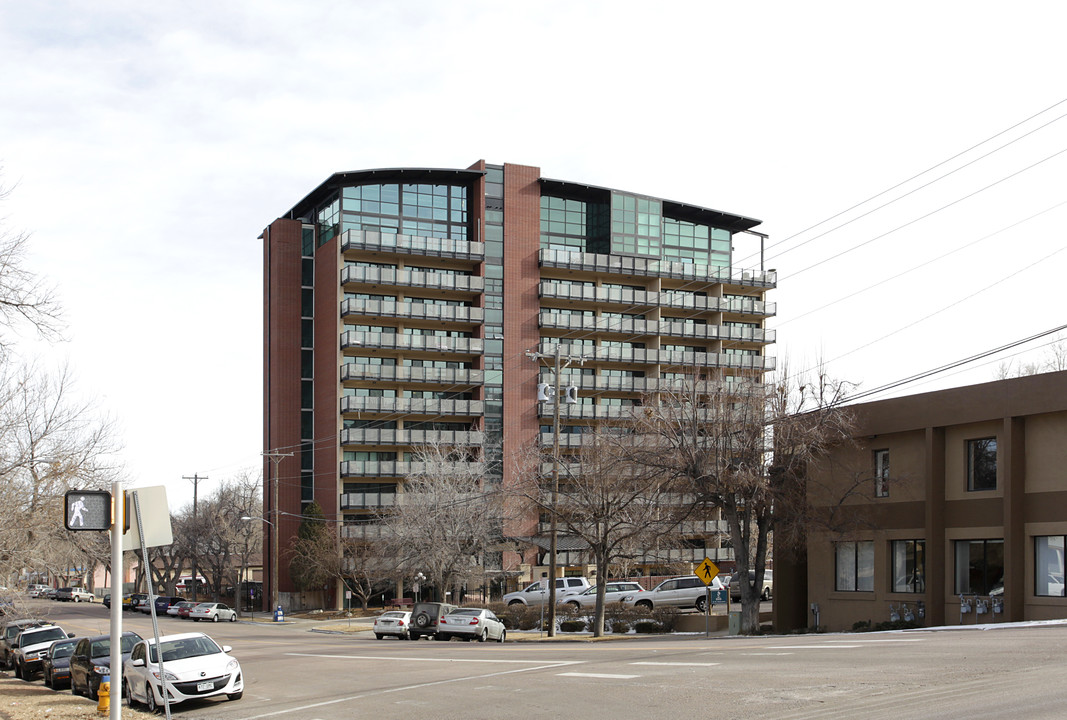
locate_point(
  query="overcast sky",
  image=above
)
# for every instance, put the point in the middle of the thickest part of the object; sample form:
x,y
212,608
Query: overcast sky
x,y
150,143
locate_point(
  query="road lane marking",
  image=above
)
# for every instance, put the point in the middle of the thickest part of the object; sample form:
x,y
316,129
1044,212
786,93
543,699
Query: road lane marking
x,y
891,640
406,688
813,646
677,664
440,660
603,676
764,654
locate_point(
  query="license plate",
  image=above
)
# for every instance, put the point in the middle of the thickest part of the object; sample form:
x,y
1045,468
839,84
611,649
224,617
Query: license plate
x,y
205,686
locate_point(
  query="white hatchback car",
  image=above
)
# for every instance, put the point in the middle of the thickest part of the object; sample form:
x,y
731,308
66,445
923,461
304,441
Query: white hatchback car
x,y
394,622
471,624
194,666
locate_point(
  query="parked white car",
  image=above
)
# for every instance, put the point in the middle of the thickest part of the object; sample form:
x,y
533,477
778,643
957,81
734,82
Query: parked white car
x,y
194,666
212,611
471,624
687,591
536,594
395,623
613,592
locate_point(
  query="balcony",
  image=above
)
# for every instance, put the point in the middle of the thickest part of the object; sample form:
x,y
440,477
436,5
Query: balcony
x,y
639,299
411,310
378,277
666,328
585,412
377,436
396,468
647,267
611,383
363,531
393,373
672,358
368,500
411,406
374,241
424,343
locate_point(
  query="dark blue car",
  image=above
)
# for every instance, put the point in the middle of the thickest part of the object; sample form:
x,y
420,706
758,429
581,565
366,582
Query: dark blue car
x,y
56,664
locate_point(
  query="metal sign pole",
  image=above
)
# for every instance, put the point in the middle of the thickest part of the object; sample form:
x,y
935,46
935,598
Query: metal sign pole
x,y
117,575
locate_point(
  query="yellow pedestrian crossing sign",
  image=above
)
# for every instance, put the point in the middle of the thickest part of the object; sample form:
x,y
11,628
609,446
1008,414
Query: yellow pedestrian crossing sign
x,y
707,571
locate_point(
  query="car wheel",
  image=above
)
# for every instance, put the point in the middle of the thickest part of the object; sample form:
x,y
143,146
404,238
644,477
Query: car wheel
x,y
77,599
442,637
18,670
233,617
128,692
379,636
484,636
215,617
503,634
196,619
766,594
150,699
644,604
92,692
235,696
48,679
513,603
413,636
575,604
702,604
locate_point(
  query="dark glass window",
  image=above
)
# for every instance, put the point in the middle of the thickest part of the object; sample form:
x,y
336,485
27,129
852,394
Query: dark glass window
x,y
979,566
1048,565
982,464
909,565
881,473
855,566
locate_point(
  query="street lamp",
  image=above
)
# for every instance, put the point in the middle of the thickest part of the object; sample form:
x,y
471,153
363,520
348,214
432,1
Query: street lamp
x,y
273,559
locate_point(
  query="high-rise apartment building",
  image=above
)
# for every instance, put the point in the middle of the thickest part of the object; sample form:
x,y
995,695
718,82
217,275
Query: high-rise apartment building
x,y
401,305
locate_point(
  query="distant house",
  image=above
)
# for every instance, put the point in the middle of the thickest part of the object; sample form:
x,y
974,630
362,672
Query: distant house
x,y
961,507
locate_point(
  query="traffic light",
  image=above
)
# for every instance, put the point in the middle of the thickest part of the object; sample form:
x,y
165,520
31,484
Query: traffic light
x,y
87,509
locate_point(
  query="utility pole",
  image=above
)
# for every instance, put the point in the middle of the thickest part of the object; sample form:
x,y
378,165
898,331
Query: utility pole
x,y
275,457
196,482
542,395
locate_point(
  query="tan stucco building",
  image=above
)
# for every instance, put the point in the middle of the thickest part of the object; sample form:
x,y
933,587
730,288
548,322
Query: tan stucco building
x,y
958,501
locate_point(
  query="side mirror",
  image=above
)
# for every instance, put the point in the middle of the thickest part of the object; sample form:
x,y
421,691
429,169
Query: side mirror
x,y
139,662
226,648
71,635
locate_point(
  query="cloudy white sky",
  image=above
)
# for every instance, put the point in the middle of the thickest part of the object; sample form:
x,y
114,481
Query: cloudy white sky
x,y
150,143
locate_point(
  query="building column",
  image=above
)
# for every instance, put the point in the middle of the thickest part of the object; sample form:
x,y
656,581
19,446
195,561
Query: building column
x,y
936,571
1011,453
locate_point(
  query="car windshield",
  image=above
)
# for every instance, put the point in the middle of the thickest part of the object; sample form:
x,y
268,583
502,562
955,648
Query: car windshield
x,y
392,614
102,648
44,636
466,611
186,648
62,650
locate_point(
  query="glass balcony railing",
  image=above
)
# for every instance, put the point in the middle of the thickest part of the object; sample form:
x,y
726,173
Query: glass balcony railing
x,y
398,468
356,275
367,500
671,358
644,328
441,376
362,531
411,406
415,311
374,241
378,436
397,341
637,299
640,385
647,267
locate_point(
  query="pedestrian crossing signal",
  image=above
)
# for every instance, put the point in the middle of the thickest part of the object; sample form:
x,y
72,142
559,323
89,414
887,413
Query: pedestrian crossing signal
x,y
87,509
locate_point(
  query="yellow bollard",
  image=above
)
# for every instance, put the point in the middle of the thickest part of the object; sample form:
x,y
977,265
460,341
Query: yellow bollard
x,y
103,705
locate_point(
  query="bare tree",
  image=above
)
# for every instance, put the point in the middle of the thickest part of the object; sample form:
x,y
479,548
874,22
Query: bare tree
x,y
325,552
745,450
1054,360
49,444
615,507
25,299
447,520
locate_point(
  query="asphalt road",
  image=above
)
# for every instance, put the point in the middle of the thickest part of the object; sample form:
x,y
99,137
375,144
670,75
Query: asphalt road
x,y
292,673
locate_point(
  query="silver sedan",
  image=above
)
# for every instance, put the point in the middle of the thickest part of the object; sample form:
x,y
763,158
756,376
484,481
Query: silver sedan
x,y
213,612
613,592
471,624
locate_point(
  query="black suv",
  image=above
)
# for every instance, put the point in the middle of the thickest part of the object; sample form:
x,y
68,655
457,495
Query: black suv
x,y
424,617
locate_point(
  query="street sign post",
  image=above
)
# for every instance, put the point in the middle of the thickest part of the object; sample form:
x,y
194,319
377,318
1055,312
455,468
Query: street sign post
x,y
707,571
